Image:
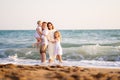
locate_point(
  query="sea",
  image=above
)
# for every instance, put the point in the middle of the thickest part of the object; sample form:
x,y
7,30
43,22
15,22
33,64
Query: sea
x,y
92,48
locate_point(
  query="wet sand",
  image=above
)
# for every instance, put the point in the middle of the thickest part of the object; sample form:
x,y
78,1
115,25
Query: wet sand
x,y
37,72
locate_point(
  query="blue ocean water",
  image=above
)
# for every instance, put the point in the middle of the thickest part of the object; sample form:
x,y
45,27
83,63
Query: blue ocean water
x,y
78,45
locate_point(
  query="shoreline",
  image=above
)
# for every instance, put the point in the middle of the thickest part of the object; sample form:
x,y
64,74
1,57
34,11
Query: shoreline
x,y
82,66
57,72
82,63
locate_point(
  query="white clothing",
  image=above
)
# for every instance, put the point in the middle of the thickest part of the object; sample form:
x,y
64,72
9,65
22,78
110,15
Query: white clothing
x,y
50,44
37,35
44,37
58,48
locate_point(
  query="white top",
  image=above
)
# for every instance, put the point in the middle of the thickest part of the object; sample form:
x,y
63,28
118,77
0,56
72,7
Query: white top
x,y
37,35
51,35
44,36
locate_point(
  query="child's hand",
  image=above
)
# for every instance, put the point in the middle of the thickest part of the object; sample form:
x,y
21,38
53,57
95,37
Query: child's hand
x,y
53,41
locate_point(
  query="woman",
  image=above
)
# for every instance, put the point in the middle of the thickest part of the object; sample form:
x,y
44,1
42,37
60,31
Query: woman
x,y
50,39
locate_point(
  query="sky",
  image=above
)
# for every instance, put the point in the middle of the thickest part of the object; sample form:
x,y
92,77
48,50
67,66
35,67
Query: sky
x,y
64,14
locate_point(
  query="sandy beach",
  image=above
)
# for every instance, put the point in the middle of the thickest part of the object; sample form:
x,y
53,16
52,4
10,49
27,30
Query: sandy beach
x,y
37,72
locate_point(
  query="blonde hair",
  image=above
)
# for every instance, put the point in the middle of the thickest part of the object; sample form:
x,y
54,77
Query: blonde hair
x,y
38,22
59,34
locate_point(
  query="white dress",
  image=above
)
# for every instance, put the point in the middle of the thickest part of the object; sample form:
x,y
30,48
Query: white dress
x,y
58,48
37,35
50,44
44,37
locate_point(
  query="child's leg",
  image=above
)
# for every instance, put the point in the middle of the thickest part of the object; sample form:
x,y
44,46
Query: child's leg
x,y
59,57
38,42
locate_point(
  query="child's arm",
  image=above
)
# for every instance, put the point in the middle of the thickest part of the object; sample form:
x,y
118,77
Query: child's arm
x,y
54,41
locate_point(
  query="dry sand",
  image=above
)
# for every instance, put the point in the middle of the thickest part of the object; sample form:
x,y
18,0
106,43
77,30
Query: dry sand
x,y
36,72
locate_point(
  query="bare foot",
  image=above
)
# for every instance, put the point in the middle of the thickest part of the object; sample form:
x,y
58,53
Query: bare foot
x,y
61,61
50,60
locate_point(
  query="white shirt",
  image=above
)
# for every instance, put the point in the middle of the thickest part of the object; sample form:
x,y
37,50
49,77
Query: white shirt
x,y
44,36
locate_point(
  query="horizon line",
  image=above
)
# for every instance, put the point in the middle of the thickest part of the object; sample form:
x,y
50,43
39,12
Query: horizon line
x,y
66,29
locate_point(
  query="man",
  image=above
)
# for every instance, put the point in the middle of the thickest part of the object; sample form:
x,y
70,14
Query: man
x,y
44,42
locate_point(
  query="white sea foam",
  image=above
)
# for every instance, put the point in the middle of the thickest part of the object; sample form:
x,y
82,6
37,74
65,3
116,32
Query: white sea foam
x,y
82,63
85,52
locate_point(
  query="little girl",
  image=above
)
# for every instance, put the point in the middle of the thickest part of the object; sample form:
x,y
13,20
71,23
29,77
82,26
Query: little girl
x,y
58,48
38,33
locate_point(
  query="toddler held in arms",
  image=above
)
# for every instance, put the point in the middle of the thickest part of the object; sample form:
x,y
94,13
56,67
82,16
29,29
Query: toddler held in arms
x,y
38,34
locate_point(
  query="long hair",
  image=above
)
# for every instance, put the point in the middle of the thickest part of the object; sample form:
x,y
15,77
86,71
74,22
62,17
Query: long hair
x,y
48,25
59,34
